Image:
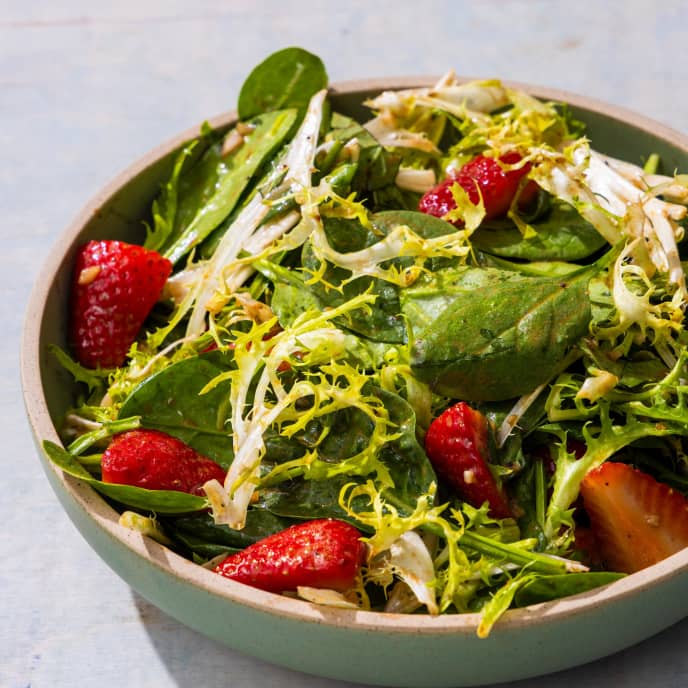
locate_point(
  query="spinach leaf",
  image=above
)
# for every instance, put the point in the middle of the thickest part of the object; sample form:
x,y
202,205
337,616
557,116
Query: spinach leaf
x,y
169,401
545,588
286,79
497,341
201,549
540,268
158,501
166,205
216,184
384,322
424,302
561,235
376,167
348,433
424,225
201,529
291,296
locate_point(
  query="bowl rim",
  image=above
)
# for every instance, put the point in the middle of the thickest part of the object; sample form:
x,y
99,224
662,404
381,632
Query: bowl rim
x,y
188,573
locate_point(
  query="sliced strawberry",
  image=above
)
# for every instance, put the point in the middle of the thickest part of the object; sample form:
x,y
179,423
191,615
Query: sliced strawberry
x,y
636,520
457,444
114,287
324,553
481,177
157,461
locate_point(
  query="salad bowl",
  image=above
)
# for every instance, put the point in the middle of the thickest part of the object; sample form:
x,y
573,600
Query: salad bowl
x,y
360,646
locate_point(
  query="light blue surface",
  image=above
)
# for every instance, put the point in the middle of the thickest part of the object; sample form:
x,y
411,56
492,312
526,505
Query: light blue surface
x,y
84,90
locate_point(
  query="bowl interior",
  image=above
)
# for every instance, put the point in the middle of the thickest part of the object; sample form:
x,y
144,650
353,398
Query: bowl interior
x,y
118,211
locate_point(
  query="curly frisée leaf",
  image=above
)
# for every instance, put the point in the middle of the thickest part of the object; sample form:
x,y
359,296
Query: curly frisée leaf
x,y
602,441
390,526
258,360
472,214
501,601
614,206
93,379
639,313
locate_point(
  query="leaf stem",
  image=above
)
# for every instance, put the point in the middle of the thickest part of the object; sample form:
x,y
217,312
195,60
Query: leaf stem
x,y
535,561
107,429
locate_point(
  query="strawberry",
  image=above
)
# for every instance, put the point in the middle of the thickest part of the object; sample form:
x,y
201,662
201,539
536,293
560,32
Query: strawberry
x,y
323,553
157,461
458,448
114,287
484,177
636,520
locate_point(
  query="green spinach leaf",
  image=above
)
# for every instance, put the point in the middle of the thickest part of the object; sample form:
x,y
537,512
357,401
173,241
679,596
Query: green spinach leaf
x,y
286,79
291,296
424,225
201,529
561,235
497,341
214,186
424,302
546,588
158,501
170,401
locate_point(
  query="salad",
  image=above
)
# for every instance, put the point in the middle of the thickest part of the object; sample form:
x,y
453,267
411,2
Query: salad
x,y
432,361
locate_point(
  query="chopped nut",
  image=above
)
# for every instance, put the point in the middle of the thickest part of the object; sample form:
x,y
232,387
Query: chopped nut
x,y
232,141
88,275
244,129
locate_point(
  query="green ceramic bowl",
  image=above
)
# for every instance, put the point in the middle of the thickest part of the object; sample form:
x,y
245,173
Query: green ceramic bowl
x,y
359,646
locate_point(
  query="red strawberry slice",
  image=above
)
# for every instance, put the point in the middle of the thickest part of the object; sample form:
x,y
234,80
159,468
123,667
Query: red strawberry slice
x,y
458,448
636,520
324,553
157,461
484,177
114,287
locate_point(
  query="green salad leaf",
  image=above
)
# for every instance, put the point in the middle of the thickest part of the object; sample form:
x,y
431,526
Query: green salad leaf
x,y
497,342
158,501
286,79
202,421
219,181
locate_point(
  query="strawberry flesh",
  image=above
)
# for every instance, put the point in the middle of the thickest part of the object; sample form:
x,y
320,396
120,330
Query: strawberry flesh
x,y
457,444
481,177
324,553
114,287
157,461
636,520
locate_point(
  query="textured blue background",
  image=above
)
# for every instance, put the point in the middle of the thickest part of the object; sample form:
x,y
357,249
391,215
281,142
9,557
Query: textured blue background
x,y
85,88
